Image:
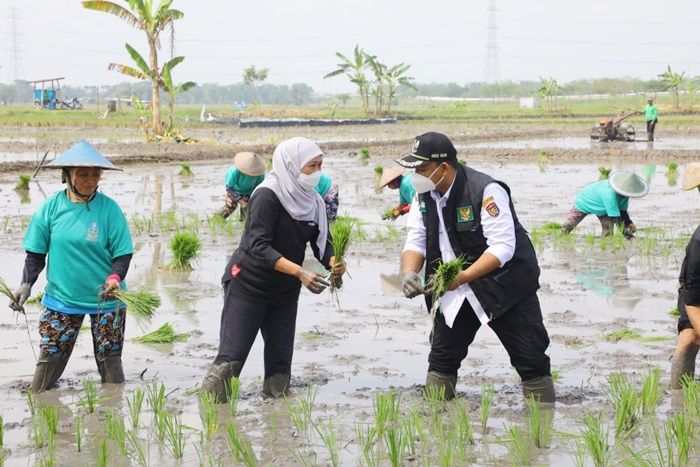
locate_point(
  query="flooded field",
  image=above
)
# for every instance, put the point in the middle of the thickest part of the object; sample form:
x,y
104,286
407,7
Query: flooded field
x,y
347,361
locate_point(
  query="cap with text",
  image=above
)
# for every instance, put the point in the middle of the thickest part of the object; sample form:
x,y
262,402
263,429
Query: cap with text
x,y
429,147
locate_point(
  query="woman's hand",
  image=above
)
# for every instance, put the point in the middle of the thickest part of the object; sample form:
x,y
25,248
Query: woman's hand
x,y
312,281
112,283
337,271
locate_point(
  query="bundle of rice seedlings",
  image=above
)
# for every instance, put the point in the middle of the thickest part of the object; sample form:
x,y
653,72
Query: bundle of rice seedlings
x,y
23,183
6,290
672,166
604,172
364,153
444,274
35,300
344,233
141,304
378,171
388,214
185,170
163,335
185,247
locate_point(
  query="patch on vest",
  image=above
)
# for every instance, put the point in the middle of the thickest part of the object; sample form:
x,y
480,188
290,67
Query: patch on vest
x,y
487,201
422,207
465,214
492,209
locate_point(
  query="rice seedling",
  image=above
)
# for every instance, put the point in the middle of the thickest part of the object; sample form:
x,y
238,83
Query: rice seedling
x,y
185,248
691,396
35,300
102,454
23,183
344,233
626,334
447,445
90,400
486,403
388,213
241,449
233,393
386,409
462,161
672,166
518,447
364,153
209,415
79,431
538,423
460,416
395,444
163,335
674,313
300,413
185,170
174,436
137,451
155,393
595,439
141,304
651,390
135,404
6,290
413,430
443,275
557,375
378,171
366,439
604,172
625,400
330,440
116,430
683,430
435,396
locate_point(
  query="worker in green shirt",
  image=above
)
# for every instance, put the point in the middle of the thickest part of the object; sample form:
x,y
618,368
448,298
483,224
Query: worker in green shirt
x,y
330,194
247,173
651,116
394,179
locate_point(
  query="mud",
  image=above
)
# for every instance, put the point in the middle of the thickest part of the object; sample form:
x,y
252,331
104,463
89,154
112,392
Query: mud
x,y
378,340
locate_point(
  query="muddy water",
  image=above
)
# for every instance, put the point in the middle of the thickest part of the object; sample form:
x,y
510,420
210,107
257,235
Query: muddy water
x,y
584,143
378,340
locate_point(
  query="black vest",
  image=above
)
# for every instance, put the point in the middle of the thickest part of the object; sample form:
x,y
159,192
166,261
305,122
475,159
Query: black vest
x,y
502,288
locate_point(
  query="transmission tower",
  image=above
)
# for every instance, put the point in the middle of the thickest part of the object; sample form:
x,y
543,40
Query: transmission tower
x,y
491,73
15,50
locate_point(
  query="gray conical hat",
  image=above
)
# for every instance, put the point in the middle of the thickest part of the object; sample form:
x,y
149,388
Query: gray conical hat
x,y
390,174
628,184
81,154
249,163
691,176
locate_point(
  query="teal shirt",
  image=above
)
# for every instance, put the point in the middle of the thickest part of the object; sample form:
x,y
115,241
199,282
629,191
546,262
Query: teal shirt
x,y
650,112
241,183
324,184
406,190
599,199
81,245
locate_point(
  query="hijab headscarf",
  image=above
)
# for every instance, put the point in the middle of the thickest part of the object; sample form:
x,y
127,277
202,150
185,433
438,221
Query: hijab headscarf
x,y
301,204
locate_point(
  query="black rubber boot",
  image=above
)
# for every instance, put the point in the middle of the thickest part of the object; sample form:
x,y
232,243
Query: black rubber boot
x,y
683,363
48,369
276,385
541,388
438,380
110,368
218,378
650,137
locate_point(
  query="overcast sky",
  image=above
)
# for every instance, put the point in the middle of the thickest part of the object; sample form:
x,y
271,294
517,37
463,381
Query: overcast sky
x,y
297,39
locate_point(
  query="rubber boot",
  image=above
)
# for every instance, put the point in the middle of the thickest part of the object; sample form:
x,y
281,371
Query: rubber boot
x,y
650,137
276,385
438,380
111,370
683,363
48,369
218,378
541,388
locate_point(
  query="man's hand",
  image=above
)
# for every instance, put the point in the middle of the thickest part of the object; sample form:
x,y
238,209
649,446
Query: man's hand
x,y
412,285
312,281
21,295
456,282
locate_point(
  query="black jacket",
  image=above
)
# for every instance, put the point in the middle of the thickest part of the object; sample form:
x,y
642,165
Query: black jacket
x,y
689,279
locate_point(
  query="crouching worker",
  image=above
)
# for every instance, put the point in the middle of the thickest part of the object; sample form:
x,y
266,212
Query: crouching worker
x,y
264,276
330,193
683,361
247,173
397,179
609,201
462,212
87,240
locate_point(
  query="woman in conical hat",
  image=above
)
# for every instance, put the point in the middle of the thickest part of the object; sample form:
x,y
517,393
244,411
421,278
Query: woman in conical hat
x,y
397,179
609,201
86,238
246,174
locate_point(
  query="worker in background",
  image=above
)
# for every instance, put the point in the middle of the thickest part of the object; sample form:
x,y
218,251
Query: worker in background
x,y
247,173
651,117
329,192
397,179
608,200
683,361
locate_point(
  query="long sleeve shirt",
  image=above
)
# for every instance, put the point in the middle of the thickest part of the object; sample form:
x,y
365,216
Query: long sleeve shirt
x,y
499,232
600,199
650,112
690,272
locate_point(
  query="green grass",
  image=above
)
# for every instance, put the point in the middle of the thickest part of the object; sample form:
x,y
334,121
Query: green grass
x,y
185,248
163,335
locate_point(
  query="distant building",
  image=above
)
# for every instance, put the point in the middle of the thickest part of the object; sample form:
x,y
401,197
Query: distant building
x,y
529,103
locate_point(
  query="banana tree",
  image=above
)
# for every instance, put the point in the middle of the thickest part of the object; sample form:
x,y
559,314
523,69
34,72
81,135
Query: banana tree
x,y
172,89
394,78
354,69
549,88
141,15
379,69
673,81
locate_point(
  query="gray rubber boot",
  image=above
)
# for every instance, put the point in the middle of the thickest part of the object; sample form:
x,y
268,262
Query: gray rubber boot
x,y
276,385
218,378
683,364
111,370
441,380
48,369
542,388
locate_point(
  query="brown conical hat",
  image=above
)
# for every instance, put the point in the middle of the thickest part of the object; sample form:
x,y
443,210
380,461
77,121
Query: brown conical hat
x,y
390,174
249,163
691,175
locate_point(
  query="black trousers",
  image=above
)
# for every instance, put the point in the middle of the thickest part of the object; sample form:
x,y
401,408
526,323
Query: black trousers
x,y
651,124
520,330
241,320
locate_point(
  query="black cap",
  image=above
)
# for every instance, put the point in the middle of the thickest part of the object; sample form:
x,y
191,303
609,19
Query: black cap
x,y
429,147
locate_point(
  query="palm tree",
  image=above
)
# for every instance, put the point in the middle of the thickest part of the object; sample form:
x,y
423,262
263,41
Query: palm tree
x,y
673,81
394,78
355,70
141,15
251,76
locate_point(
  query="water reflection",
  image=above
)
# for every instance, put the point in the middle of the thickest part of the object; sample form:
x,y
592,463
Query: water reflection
x,y
610,280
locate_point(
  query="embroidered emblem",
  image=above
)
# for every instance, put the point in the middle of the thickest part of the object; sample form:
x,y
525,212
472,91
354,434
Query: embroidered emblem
x,y
415,145
465,214
492,209
487,201
235,271
422,207
93,233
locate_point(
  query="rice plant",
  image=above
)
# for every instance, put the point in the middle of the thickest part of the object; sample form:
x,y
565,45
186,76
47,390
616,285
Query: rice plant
x,y
518,446
174,436
395,444
366,440
6,290
538,423
651,391
460,416
135,404
683,430
386,409
300,413
691,396
344,233
137,451
185,170
102,454
141,304
155,393
210,421
413,429
388,214
557,375
185,248
330,440
672,166
626,334
49,419
90,400
163,335
233,393
23,183
435,396
625,400
660,450
486,403
364,153
378,171
604,172
447,445
79,431
674,313
116,430
35,300
595,439
2,440
241,449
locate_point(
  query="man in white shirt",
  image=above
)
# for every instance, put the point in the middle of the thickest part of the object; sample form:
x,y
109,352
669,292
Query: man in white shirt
x,y
462,212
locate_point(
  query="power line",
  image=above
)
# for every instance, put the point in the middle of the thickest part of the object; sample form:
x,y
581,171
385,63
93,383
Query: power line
x,y
491,73
15,50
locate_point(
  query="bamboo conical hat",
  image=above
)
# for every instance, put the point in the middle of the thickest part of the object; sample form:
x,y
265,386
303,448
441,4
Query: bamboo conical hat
x,y
628,184
691,176
249,163
390,174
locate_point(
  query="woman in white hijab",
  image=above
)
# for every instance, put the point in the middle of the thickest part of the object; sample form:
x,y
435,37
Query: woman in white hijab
x,y
263,278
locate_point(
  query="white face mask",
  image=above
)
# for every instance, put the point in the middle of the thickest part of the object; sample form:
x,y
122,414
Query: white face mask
x,y
424,184
309,181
